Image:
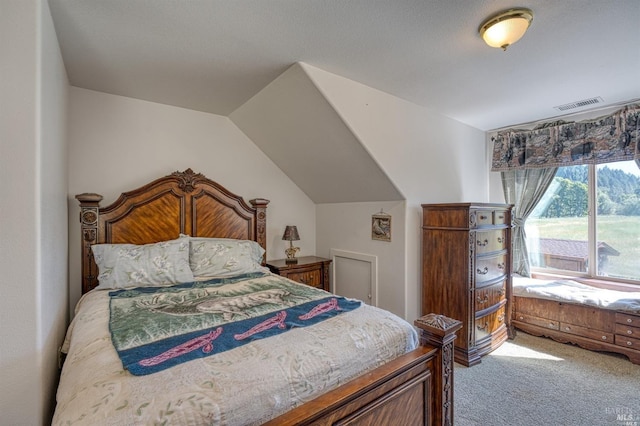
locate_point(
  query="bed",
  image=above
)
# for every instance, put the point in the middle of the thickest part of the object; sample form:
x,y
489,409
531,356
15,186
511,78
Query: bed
x,y
305,355
567,311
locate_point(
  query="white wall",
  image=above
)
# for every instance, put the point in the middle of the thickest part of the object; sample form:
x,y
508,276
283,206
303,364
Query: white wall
x,y
292,123
53,178
33,233
347,226
117,144
430,158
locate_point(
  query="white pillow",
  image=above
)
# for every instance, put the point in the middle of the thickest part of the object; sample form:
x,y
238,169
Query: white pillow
x,y
130,265
223,257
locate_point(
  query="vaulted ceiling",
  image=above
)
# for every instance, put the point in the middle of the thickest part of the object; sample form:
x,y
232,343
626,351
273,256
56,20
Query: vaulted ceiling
x,y
214,55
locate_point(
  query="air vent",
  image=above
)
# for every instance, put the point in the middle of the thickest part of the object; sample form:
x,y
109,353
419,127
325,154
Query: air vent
x,y
579,104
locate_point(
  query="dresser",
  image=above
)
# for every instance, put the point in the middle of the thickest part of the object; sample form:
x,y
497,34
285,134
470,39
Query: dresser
x,y
466,273
309,270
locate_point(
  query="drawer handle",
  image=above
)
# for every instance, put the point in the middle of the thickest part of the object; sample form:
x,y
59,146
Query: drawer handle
x,y
629,343
604,337
482,271
568,328
629,320
500,240
482,243
483,217
552,325
483,327
485,300
521,318
502,292
501,318
629,332
501,265
501,217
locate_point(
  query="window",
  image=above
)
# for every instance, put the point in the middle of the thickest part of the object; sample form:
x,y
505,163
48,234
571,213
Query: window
x,y
563,236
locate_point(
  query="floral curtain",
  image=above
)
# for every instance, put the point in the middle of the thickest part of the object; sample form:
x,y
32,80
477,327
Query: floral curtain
x,y
615,137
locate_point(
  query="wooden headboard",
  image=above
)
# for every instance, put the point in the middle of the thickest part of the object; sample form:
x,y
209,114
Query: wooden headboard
x,y
180,203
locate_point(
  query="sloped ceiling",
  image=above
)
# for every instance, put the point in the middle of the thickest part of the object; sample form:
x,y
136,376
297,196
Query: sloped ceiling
x,y
238,58
214,55
295,126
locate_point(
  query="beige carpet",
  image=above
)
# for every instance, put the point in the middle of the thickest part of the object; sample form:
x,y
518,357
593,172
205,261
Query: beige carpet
x,y
536,381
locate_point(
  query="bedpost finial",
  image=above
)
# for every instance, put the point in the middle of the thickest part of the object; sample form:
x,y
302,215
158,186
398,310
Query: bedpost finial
x,y
438,324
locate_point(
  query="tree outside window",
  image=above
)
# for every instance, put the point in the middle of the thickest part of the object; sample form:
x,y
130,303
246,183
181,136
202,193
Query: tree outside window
x,y
563,236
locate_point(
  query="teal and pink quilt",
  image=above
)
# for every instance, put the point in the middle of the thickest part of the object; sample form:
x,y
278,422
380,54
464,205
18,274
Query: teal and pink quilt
x,y
155,328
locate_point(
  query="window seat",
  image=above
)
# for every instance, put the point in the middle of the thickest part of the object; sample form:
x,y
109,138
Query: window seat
x,y
570,312
574,292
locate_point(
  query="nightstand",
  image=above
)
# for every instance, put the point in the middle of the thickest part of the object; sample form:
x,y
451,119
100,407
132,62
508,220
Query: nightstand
x,y
310,270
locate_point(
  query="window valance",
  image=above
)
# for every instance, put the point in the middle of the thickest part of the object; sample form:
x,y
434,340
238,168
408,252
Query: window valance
x,y
615,137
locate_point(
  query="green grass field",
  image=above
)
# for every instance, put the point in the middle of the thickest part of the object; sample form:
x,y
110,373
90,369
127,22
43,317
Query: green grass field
x,y
620,232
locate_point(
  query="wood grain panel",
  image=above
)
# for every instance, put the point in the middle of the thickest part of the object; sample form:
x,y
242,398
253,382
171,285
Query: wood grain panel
x,y
626,318
628,331
587,316
158,219
182,202
587,332
490,295
540,308
410,402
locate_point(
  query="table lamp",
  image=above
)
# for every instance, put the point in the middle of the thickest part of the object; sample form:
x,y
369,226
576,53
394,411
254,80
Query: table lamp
x,y
291,235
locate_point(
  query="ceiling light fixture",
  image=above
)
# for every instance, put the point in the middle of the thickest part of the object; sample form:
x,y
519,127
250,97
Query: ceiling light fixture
x,y
505,28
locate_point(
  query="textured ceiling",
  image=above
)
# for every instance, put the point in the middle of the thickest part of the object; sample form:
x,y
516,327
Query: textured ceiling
x,y
213,56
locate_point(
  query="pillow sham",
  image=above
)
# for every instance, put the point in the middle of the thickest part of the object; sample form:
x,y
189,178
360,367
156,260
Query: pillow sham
x,y
223,257
130,265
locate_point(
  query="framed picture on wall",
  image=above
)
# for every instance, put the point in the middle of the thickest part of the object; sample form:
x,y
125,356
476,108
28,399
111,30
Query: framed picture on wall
x,y
381,226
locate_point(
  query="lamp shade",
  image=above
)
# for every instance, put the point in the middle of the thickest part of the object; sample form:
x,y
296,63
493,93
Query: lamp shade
x,y
291,233
504,29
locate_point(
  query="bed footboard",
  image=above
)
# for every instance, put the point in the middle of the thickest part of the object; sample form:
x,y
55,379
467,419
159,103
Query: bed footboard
x,y
414,389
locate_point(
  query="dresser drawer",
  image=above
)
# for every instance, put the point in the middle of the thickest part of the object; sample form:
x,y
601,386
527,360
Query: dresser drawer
x,y
628,342
312,278
627,319
490,323
484,217
491,217
490,295
489,268
500,217
489,241
540,322
586,332
309,270
627,331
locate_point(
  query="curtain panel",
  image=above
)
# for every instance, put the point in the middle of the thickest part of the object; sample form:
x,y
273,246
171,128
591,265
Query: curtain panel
x,y
615,137
524,188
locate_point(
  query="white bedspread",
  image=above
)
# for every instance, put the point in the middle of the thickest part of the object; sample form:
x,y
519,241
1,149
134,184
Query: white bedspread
x,y
246,385
575,292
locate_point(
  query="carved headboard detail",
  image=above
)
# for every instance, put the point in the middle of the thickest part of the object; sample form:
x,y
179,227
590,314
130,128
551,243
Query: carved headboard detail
x,y
180,203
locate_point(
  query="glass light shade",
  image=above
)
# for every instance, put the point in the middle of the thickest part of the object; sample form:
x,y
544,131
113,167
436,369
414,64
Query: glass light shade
x,y
506,28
